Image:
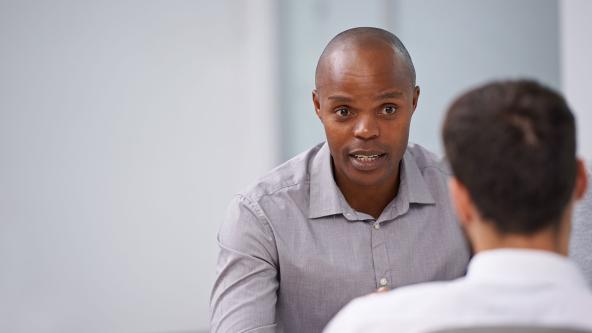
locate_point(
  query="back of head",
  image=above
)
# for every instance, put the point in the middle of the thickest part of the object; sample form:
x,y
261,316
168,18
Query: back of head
x,y
512,145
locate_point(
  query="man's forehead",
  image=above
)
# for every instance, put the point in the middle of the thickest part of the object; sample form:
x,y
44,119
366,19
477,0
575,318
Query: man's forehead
x,y
362,52
349,64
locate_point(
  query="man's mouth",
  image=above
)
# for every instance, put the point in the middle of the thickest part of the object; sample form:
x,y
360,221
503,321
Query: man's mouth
x,y
367,160
364,158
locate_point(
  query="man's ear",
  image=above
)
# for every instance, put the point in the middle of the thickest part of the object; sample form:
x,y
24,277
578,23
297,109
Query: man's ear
x,y
581,180
461,201
415,97
316,103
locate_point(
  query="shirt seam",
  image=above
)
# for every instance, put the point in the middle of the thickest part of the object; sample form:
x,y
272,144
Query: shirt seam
x,y
253,197
261,218
259,327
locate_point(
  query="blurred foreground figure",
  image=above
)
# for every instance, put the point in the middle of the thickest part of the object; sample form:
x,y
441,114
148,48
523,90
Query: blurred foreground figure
x,y
361,212
516,178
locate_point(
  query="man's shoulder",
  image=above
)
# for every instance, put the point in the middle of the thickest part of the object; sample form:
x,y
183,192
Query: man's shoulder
x,y
427,160
293,174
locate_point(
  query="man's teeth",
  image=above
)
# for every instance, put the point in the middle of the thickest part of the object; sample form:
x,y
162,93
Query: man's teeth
x,y
367,157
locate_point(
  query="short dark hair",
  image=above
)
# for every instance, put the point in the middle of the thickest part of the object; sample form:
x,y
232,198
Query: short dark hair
x,y
361,33
512,145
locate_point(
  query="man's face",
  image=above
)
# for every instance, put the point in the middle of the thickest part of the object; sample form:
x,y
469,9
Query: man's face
x,y
365,100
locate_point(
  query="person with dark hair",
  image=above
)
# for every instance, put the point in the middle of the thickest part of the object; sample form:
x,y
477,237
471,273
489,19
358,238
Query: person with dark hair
x,y
365,211
512,150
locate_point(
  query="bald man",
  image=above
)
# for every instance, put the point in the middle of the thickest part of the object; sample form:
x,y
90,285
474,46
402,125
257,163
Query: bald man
x,y
362,212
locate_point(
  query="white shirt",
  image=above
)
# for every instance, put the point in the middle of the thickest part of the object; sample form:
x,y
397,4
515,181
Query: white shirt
x,y
502,287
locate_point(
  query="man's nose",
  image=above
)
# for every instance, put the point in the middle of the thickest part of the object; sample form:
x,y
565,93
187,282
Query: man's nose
x,y
366,127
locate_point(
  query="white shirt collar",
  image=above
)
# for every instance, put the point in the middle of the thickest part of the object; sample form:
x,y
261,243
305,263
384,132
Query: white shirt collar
x,y
530,266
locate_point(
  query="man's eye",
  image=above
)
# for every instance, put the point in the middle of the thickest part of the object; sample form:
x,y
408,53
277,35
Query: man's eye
x,y
389,109
342,112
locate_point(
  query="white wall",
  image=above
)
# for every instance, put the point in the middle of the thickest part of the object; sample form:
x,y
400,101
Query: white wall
x,y
125,127
457,44
576,66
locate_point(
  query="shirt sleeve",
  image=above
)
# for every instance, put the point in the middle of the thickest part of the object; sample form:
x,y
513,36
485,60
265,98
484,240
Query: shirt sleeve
x,y
244,295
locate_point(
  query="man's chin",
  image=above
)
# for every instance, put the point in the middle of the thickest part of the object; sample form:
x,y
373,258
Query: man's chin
x,y
374,178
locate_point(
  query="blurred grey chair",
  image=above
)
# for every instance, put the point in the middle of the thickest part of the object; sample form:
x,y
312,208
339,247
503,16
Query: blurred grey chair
x,y
511,329
580,246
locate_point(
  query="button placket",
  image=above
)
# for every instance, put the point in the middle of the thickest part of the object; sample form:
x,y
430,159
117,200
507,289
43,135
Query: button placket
x,y
379,255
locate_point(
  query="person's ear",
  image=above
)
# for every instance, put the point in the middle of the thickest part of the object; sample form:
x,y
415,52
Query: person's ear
x,y
461,201
317,104
581,185
415,97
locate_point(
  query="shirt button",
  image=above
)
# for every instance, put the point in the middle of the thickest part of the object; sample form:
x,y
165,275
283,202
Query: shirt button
x,y
383,282
376,225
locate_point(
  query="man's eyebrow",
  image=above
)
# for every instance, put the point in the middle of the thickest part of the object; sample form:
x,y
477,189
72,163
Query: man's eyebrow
x,y
390,94
340,98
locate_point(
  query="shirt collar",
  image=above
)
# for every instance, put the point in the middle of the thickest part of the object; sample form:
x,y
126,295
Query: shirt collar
x,y
524,266
326,198
415,186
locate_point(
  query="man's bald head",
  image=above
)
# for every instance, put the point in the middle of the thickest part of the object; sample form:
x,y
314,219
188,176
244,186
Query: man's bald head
x,y
364,38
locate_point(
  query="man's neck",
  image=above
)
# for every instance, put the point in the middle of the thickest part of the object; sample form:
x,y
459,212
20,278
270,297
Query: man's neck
x,y
547,240
371,200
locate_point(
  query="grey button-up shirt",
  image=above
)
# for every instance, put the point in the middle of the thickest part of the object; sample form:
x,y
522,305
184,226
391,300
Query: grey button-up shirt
x,y
293,252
